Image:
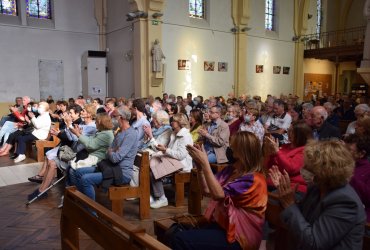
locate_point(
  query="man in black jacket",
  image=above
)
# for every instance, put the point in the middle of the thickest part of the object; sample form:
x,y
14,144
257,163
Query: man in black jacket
x,y
322,129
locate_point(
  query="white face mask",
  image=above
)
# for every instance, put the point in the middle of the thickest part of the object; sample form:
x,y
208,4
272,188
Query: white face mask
x,y
307,175
41,110
29,109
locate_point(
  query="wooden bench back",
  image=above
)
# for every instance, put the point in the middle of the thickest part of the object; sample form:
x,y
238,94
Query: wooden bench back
x,y
106,228
118,194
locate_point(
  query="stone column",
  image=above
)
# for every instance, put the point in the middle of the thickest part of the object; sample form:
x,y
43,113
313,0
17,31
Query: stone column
x,y
300,28
101,18
364,70
146,31
240,15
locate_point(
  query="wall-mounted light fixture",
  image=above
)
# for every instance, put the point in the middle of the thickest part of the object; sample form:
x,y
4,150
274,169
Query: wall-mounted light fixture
x,y
309,16
245,29
137,14
295,38
234,29
157,15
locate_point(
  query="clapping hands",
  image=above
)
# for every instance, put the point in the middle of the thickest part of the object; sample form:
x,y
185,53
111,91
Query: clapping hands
x,y
282,183
199,155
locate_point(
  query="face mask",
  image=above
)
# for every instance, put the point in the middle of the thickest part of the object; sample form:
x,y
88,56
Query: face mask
x,y
169,100
41,110
88,101
205,106
115,124
151,110
195,103
247,118
307,175
34,109
29,109
229,117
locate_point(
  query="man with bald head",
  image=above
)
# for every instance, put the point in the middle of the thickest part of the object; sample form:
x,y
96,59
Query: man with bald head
x,y
322,129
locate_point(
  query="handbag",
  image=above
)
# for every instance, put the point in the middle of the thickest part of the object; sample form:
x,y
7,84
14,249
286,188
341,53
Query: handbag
x,y
112,173
65,153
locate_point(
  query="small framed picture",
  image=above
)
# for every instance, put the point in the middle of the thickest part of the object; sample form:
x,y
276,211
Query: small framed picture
x,y
286,70
276,69
183,64
259,68
209,66
222,66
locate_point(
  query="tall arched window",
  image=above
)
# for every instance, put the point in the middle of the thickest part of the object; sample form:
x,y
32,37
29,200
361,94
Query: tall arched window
x,y
38,9
270,14
197,8
8,7
319,17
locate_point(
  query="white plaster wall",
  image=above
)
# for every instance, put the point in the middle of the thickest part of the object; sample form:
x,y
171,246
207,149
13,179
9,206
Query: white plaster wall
x,y
269,53
119,42
270,49
198,41
22,46
315,66
356,15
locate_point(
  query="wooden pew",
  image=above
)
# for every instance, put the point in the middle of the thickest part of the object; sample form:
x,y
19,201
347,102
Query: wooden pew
x,y
180,178
117,194
195,194
51,142
106,228
218,167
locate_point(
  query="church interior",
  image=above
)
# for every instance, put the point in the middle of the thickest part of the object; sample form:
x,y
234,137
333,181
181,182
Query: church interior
x,y
131,49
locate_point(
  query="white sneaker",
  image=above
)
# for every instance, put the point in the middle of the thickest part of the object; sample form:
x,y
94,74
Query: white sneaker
x,y
19,158
151,200
161,202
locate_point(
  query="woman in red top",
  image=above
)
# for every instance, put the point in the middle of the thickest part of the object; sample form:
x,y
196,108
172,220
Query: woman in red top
x,y
289,157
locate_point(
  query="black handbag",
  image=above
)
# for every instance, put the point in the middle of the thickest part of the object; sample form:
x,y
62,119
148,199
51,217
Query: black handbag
x,y
112,173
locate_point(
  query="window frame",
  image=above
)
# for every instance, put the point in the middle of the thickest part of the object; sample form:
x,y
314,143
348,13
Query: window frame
x,y
10,19
41,22
271,14
195,16
318,18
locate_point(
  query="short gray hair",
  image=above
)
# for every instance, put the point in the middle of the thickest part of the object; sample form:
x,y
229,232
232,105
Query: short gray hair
x,y
363,107
307,105
329,106
124,112
162,117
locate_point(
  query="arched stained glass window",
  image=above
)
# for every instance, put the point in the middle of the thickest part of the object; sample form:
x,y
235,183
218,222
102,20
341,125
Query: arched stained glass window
x,y
8,7
196,8
39,9
270,15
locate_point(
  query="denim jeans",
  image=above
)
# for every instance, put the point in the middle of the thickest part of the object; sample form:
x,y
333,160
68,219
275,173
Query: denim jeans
x,y
8,128
212,157
85,179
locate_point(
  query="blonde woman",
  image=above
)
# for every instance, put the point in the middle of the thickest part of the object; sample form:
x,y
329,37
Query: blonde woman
x,y
170,158
331,215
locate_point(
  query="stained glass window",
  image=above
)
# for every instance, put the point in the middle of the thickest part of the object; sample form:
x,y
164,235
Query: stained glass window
x,y
39,9
319,17
270,14
196,8
8,7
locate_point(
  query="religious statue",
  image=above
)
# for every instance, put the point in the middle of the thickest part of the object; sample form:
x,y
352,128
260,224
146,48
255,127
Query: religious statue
x,y
157,56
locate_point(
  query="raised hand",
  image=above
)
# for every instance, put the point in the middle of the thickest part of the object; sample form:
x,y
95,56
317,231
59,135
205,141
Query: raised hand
x,y
275,175
286,193
198,154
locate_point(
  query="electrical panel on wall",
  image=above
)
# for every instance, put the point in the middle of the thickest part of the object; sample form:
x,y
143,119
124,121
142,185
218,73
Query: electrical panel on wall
x,y
94,74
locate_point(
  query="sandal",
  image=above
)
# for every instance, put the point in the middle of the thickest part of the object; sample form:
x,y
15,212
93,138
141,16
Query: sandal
x,y
37,178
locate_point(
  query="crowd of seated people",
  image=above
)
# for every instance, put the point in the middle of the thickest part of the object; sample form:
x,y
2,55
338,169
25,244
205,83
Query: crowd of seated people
x,y
168,126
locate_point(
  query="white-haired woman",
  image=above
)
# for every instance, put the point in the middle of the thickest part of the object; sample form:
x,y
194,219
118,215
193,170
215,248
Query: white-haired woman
x,y
170,159
160,134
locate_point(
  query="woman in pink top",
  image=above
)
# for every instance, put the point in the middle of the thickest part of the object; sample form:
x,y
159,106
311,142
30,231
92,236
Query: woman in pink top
x,y
239,198
289,157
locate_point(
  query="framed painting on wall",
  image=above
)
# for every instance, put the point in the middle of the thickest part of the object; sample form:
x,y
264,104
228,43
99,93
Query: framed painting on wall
x,y
209,66
222,66
183,64
276,69
259,68
286,70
